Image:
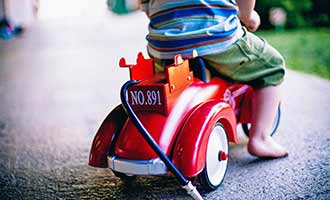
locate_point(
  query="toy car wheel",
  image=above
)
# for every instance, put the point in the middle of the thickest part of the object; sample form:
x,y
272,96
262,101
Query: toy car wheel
x,y
216,159
124,177
246,127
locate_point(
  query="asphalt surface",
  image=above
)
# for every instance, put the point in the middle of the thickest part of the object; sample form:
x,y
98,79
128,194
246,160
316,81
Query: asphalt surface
x,y
61,78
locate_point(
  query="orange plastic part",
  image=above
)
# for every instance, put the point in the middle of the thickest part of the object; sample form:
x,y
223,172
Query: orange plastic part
x,y
167,85
144,68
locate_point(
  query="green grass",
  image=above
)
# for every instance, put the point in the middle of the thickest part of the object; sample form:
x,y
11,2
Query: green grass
x,y
306,50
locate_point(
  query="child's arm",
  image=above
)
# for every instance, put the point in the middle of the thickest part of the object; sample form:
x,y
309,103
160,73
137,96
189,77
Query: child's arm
x,y
247,15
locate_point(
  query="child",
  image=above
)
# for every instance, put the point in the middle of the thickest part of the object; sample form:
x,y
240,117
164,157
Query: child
x,y
213,28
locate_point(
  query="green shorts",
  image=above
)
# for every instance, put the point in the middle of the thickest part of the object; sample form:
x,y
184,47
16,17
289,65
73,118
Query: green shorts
x,y
251,60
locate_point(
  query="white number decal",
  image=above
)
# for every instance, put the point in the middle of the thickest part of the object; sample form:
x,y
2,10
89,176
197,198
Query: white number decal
x,y
150,98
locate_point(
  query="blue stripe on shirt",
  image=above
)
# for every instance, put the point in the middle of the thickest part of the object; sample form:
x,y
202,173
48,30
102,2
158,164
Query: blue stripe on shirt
x,y
178,43
190,12
209,26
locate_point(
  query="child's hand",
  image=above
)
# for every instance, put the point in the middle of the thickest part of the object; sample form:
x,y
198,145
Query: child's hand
x,y
253,23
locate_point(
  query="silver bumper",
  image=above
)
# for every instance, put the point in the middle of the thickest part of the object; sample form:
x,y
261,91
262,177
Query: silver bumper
x,y
138,167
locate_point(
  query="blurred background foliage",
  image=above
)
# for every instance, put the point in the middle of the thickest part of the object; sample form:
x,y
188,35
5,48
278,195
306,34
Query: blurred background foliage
x,y
305,50
302,13
305,39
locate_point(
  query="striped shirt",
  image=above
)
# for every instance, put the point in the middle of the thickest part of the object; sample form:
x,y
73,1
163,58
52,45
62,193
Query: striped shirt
x,y
179,27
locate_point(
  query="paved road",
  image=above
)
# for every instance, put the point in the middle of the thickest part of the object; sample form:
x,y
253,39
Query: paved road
x,y
58,82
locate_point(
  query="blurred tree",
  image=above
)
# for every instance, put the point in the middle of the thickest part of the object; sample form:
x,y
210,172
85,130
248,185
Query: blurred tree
x,y
296,12
321,13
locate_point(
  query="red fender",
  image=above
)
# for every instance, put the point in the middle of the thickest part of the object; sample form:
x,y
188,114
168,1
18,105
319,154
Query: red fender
x,y
190,150
102,140
246,108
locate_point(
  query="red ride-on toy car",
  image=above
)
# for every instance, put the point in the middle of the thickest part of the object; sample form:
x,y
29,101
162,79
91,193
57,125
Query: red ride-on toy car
x,y
173,122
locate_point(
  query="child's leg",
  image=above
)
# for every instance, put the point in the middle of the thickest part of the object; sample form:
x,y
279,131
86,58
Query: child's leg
x,y
265,104
253,61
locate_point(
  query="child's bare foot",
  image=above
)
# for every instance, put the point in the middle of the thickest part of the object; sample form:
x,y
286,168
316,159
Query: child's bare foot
x,y
266,148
